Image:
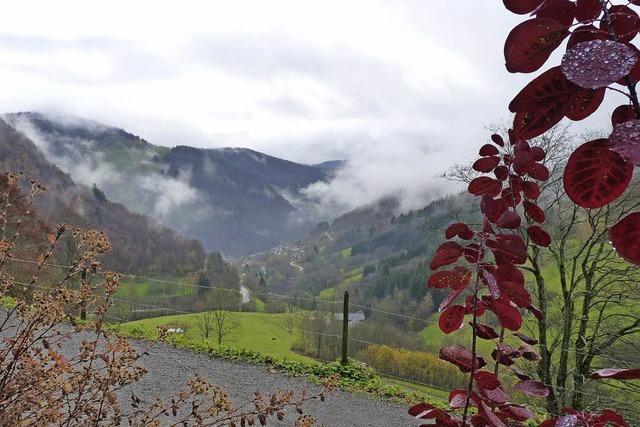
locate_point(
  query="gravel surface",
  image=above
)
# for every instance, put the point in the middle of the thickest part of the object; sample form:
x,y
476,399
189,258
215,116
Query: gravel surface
x,y
170,369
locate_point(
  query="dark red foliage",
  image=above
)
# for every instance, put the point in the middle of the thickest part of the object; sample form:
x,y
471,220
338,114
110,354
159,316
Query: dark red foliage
x,y
562,11
531,190
533,211
530,44
480,307
509,317
497,139
625,140
625,236
459,229
522,6
509,219
542,103
486,332
501,172
486,380
486,164
539,236
618,374
508,248
488,150
451,319
485,185
461,357
585,33
585,102
426,411
596,64
525,338
447,253
538,171
623,113
624,22
595,175
533,388
516,412
588,10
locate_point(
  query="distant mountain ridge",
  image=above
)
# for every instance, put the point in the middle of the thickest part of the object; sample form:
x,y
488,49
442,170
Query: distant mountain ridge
x,y
139,244
235,200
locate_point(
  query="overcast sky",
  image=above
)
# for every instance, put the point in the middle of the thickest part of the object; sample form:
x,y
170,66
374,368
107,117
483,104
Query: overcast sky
x,y
394,82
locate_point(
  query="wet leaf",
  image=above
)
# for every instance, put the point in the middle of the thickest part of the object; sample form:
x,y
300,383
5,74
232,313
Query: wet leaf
x,y
625,237
595,175
533,388
451,319
625,140
598,63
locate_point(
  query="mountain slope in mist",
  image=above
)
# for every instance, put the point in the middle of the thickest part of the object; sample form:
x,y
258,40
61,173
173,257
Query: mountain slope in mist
x,y
236,200
138,243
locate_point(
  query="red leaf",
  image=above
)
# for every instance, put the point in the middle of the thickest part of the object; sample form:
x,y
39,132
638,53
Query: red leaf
x,y
449,299
538,171
509,317
562,11
501,172
486,164
488,150
485,185
493,208
508,248
530,44
489,416
531,190
459,229
451,319
515,291
468,305
447,253
536,312
624,21
609,416
458,398
534,211
472,253
529,353
625,140
485,332
521,6
625,237
598,63
491,283
542,103
509,219
497,139
442,279
622,113
486,380
461,357
596,175
586,33
585,103
521,375
517,412
538,154
495,395
533,388
525,338
588,10
539,236
426,411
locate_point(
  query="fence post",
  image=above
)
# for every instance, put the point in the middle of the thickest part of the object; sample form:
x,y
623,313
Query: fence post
x,y
345,329
83,303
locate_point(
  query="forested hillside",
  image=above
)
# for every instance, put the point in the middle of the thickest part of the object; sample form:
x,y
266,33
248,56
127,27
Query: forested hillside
x,y
139,243
235,200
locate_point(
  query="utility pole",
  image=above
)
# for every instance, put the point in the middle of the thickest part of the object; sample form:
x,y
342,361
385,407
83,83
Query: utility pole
x,y
345,329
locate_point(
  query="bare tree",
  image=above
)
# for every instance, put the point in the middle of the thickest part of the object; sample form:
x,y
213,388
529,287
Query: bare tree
x,y
587,295
217,316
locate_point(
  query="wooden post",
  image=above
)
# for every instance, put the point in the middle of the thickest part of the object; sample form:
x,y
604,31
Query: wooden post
x,y
83,304
345,329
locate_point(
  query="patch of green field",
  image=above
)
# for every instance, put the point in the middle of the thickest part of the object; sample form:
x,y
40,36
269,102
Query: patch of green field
x,y
327,293
346,253
266,333
435,339
409,386
139,289
260,305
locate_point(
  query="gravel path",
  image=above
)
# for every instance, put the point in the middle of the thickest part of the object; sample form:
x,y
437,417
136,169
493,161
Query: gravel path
x,y
169,369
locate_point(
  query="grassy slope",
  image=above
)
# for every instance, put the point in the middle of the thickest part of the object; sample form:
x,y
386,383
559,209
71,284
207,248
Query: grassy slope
x,y
266,333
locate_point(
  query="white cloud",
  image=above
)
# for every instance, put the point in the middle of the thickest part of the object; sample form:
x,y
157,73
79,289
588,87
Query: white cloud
x,y
307,81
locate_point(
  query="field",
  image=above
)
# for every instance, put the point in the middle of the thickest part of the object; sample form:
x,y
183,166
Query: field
x,y
266,333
